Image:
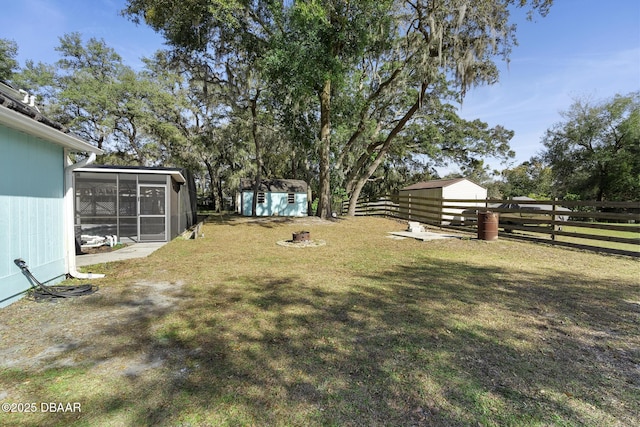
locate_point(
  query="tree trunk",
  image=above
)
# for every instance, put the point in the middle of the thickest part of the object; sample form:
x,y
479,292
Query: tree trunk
x,y
256,141
358,183
324,201
219,194
353,200
601,182
215,195
214,180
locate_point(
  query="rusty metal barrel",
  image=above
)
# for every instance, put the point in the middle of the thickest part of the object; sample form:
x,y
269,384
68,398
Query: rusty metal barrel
x,y
487,225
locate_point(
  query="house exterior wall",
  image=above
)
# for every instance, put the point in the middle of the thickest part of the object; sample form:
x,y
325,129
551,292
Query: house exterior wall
x,y
31,212
275,204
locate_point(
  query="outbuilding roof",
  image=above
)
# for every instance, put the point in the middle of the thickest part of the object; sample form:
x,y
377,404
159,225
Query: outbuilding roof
x,y
22,115
275,185
176,173
435,183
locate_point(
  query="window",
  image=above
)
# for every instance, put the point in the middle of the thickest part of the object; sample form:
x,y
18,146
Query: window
x,y
291,198
261,198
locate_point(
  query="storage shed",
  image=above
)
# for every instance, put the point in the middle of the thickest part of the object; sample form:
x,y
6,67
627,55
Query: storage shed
x,y
136,204
276,197
423,201
36,194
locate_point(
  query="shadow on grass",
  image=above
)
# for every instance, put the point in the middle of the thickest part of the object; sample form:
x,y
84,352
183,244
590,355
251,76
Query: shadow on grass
x,y
442,343
266,221
236,219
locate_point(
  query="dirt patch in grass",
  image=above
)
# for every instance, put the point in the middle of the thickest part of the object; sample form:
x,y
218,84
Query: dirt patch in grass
x,y
67,332
102,249
233,329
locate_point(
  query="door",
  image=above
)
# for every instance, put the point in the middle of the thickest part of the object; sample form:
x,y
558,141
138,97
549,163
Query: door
x,y
152,209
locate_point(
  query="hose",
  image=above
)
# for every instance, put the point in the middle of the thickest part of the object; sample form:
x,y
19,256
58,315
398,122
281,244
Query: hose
x,y
43,292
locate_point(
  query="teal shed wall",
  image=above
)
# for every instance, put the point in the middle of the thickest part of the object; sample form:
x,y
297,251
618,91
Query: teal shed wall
x,y
275,204
31,212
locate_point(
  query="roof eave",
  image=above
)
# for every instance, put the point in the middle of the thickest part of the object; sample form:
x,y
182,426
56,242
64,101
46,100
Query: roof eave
x,y
437,184
19,122
175,174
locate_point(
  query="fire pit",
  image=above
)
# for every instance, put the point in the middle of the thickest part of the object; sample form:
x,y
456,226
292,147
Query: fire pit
x,y
302,239
301,236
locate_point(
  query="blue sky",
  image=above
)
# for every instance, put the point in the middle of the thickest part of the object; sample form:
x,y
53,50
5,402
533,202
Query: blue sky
x,y
582,49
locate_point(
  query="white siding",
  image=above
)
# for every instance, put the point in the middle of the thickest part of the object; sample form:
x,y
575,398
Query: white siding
x,y
462,190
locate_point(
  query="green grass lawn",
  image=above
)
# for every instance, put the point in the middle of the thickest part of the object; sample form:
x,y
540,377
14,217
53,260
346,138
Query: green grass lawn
x,y
364,331
586,241
601,243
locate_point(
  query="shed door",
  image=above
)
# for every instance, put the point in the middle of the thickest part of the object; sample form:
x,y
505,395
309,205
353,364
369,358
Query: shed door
x,y
152,208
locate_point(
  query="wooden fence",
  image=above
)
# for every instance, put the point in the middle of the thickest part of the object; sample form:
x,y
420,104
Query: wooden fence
x,y
612,227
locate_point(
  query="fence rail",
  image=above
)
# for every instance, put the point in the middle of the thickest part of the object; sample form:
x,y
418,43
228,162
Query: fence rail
x,y
612,227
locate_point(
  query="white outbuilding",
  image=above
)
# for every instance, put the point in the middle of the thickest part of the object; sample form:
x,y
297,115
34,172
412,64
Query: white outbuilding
x,y
423,201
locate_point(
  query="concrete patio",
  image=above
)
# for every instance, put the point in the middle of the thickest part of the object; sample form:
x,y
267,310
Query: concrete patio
x,y
136,250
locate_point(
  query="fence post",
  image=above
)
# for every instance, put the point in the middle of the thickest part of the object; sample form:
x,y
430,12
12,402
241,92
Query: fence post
x,y
553,218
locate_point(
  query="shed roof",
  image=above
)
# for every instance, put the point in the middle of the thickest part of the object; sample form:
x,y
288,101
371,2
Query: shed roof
x,y
25,117
275,185
436,183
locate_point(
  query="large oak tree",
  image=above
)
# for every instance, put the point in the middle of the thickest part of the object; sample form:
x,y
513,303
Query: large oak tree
x,y
393,57
595,152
